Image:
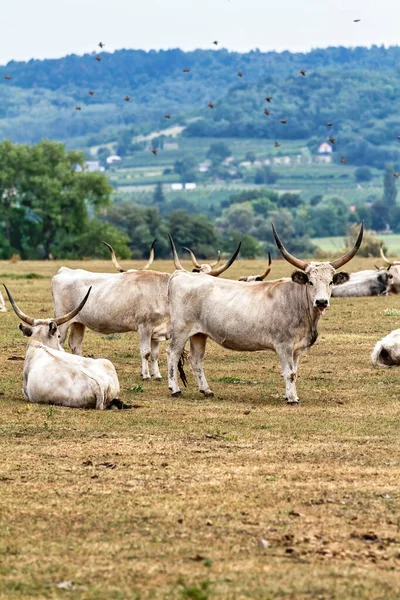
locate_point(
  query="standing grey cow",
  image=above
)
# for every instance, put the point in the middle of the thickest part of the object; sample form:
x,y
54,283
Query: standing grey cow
x,y
204,267
119,302
280,315
258,277
51,376
394,268
376,284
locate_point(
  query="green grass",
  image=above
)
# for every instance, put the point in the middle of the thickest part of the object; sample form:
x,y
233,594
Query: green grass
x,y
330,244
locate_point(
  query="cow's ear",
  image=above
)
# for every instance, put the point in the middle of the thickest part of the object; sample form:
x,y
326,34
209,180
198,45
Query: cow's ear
x,y
195,270
299,277
258,279
25,330
340,278
52,328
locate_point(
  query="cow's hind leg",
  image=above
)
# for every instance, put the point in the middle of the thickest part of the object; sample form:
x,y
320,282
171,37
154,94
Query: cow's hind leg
x,y
289,372
77,332
145,349
197,351
155,371
174,353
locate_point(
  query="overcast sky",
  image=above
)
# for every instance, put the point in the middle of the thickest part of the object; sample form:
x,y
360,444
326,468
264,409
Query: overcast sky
x,y
54,28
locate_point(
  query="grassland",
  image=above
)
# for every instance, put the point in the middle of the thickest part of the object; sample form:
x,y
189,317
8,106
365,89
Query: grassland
x,y
238,496
334,244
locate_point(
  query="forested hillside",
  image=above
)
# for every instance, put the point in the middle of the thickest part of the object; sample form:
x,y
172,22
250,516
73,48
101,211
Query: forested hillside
x,y
356,89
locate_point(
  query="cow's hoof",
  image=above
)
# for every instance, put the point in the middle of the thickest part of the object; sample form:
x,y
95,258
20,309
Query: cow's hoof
x,y
208,393
157,378
146,378
293,402
177,394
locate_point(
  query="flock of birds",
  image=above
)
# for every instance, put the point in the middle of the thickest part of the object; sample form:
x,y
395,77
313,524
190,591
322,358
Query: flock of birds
x,y
211,104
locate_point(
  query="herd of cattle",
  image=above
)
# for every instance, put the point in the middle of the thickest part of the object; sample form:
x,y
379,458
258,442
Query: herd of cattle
x,y
246,315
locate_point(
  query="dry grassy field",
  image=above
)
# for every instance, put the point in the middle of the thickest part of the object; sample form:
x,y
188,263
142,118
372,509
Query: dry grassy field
x,y
236,496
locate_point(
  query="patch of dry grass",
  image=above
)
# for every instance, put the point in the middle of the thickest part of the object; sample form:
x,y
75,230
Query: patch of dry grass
x,y
237,496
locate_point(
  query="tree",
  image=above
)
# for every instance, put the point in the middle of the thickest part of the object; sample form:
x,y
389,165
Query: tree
x,y
217,152
250,156
45,193
158,197
389,187
186,168
89,242
363,174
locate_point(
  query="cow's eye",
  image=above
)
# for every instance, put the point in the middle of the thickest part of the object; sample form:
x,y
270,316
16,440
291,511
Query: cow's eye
x,y
331,283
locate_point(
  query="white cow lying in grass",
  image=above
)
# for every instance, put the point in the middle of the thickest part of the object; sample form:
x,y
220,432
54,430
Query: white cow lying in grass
x,y
387,351
2,304
52,376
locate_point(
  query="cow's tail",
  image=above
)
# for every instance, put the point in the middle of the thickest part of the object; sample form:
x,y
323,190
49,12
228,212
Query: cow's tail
x,y
381,357
182,359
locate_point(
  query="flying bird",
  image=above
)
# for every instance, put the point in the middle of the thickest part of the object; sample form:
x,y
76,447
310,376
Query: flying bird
x,y
356,20
398,137
396,174
98,58
216,43
167,116
154,151
8,77
211,104
303,72
284,121
91,93
127,98
268,98
331,139
329,124
266,111
343,159
277,144
78,108
101,45
240,74
186,70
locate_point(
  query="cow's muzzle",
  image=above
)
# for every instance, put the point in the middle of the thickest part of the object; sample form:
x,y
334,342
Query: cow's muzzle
x,y
321,303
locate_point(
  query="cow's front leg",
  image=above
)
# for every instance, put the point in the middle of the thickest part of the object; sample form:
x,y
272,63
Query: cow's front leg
x,y
174,353
155,371
289,372
145,350
197,351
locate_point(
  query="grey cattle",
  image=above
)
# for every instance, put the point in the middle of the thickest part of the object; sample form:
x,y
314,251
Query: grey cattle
x,y
118,266
261,277
51,376
280,315
119,302
202,267
387,351
394,269
375,284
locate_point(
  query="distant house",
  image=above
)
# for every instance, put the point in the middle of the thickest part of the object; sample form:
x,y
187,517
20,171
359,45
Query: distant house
x,y
190,186
175,187
204,166
113,159
94,166
325,148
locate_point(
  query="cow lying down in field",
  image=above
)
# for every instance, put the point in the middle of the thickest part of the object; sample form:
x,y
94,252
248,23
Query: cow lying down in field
x,y
387,351
52,376
364,283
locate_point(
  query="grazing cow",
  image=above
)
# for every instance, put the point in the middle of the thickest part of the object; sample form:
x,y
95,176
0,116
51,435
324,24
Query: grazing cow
x,y
205,267
376,284
119,302
280,315
394,268
118,266
258,277
387,351
51,376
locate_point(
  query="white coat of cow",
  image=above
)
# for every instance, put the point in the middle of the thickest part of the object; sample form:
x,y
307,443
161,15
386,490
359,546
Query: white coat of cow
x,y
280,315
373,283
52,376
2,304
387,351
118,303
394,269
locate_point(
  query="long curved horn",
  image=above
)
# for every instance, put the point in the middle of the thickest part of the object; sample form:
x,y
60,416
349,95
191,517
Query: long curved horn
x,y
114,259
192,256
383,256
151,257
224,267
339,262
21,315
71,315
267,272
296,262
218,260
177,262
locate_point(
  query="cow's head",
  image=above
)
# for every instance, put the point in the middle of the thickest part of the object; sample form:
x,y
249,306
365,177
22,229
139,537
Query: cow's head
x,y
118,266
261,277
44,331
214,271
202,267
394,270
319,277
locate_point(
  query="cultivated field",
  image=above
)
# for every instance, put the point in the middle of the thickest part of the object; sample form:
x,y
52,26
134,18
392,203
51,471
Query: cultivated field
x,y
237,496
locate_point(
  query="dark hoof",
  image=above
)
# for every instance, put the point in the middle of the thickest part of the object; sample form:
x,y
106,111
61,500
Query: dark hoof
x,y
293,403
207,393
177,394
157,378
117,404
